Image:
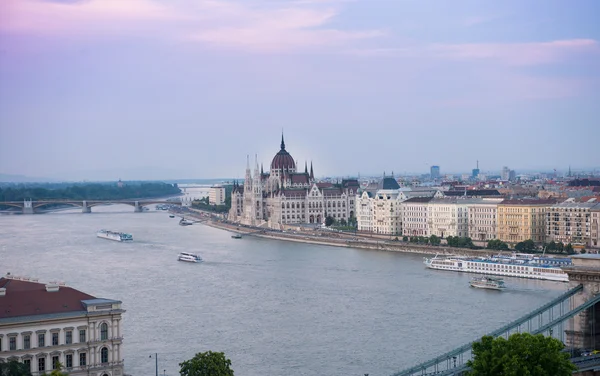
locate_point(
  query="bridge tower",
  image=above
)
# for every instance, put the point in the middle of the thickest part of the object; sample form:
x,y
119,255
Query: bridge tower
x,y
28,207
585,333
85,208
137,208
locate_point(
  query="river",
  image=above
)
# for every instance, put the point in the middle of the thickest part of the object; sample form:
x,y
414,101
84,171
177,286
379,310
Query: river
x,y
273,307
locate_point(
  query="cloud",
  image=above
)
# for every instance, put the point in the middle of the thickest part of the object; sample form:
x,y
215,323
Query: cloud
x,y
261,25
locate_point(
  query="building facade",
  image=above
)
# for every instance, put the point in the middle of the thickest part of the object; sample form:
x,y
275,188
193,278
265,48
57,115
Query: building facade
x,y
483,219
284,196
520,220
415,216
216,195
573,222
448,217
43,324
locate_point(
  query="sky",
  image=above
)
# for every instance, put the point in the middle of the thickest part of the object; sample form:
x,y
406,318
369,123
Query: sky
x,y
147,89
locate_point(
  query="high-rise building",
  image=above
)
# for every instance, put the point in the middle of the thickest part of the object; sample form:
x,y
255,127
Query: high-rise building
x,y
435,172
505,173
475,172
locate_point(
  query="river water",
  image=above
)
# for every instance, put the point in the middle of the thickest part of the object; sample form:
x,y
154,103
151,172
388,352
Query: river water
x,y
274,308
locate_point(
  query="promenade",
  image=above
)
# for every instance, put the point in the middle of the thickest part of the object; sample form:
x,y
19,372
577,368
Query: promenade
x,y
331,238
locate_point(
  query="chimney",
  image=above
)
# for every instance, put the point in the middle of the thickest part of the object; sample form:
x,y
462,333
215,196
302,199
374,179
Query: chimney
x,y
2,291
52,287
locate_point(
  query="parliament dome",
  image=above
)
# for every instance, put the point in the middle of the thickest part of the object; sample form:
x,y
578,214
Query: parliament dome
x,y
283,160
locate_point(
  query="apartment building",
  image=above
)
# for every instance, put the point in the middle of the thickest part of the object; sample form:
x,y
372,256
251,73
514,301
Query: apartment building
x,y
523,219
448,217
44,324
573,222
216,195
415,216
483,218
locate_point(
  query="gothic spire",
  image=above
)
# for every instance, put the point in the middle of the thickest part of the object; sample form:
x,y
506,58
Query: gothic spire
x,y
305,167
282,142
312,175
261,169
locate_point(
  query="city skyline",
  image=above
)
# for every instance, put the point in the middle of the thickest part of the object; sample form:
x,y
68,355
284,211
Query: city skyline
x,y
99,90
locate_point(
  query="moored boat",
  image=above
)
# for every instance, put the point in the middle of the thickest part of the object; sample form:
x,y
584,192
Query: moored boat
x,y
484,282
114,235
236,236
189,257
517,265
185,222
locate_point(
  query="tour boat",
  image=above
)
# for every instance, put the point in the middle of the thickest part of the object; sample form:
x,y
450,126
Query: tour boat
x,y
484,282
236,236
113,235
171,216
189,257
517,265
185,222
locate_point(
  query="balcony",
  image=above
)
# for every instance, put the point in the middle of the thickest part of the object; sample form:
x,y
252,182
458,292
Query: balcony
x,y
114,340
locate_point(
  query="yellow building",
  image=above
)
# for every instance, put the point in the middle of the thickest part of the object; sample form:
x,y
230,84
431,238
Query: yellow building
x,y
523,219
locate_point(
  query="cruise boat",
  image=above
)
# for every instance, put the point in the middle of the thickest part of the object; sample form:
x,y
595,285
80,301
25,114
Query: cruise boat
x,y
484,282
516,265
189,257
113,235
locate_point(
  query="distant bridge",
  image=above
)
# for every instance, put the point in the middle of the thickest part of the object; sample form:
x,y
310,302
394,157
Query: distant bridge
x,y
29,206
573,318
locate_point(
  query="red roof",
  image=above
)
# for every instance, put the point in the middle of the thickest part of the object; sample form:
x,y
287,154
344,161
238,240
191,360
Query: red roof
x,y
299,178
25,298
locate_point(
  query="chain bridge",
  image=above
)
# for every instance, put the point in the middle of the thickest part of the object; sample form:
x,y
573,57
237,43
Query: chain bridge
x,y
31,207
573,318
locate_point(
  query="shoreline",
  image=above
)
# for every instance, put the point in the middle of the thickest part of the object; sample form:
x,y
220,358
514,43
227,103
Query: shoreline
x,y
328,239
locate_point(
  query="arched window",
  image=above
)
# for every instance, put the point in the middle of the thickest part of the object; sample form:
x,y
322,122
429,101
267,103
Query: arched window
x,y
104,331
104,355
293,206
282,205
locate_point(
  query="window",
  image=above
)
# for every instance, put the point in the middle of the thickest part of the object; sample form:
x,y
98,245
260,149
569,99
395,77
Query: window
x,y
55,362
41,364
82,359
27,363
69,337
69,360
54,339
41,340
12,343
26,341
104,332
82,335
104,355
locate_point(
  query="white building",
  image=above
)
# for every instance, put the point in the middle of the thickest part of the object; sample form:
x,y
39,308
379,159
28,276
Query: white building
x,y
483,218
216,195
448,217
415,216
42,324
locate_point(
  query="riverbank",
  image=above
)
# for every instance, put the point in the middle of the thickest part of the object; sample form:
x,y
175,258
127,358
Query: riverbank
x,y
334,239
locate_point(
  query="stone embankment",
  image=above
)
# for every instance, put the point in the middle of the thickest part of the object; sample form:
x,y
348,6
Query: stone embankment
x,y
335,239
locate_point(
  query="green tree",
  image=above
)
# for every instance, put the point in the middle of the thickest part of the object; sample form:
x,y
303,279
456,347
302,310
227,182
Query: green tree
x,y
14,368
57,371
521,354
329,221
343,222
497,244
434,240
207,364
560,247
405,238
569,249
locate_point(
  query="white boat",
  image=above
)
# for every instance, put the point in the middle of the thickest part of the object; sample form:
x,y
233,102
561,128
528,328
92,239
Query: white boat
x,y
484,282
236,236
185,222
189,257
113,235
517,265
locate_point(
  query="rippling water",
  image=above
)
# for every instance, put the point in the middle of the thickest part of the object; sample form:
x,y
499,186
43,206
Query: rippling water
x,y
274,308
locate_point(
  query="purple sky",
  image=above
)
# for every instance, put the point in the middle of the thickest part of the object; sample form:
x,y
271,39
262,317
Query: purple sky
x,y
144,89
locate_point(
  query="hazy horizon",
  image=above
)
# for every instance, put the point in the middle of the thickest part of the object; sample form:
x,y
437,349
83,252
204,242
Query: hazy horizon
x,y
148,90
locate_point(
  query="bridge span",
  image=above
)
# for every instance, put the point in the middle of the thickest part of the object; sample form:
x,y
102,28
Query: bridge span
x,y
573,318
31,207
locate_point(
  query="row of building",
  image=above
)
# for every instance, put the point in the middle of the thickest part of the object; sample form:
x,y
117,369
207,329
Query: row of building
x,y
287,196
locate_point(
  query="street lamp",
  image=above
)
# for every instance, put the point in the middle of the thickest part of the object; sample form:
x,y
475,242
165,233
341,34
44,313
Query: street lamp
x,y
156,358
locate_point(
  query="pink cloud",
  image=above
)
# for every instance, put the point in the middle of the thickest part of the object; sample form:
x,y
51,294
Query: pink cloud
x,y
518,53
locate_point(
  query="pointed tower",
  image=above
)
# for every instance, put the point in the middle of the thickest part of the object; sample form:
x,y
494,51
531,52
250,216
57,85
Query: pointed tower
x,y
248,179
312,175
257,196
305,167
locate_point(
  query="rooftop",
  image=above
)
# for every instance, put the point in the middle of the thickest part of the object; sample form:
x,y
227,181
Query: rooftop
x,y
24,297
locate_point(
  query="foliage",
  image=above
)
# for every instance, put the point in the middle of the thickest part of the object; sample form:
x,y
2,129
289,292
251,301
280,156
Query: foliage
x,y
343,222
405,238
569,249
521,354
95,191
207,364
497,244
57,371
419,239
202,205
329,221
459,242
527,245
434,240
14,368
